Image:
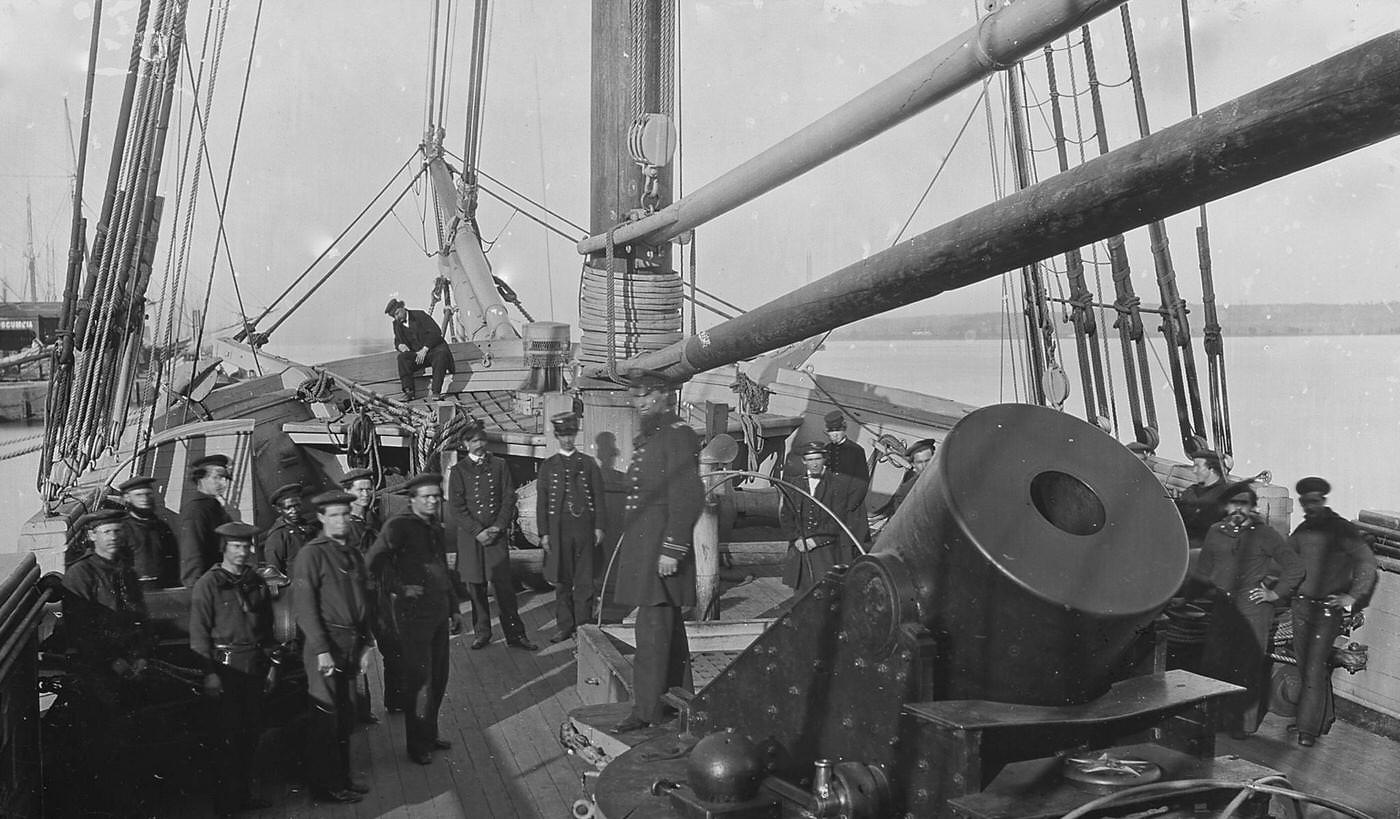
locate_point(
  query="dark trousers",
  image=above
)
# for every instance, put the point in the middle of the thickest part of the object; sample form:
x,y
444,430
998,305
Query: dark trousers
x,y
389,659
238,722
661,662
332,721
574,590
439,358
504,587
1315,629
1236,651
424,680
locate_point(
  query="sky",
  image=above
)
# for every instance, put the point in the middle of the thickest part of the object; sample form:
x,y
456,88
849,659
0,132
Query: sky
x,y
335,104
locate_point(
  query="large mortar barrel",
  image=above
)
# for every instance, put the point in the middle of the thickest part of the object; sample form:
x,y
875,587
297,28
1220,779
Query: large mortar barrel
x,y
1037,547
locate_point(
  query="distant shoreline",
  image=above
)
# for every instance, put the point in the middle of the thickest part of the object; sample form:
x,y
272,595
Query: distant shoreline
x,y
1237,321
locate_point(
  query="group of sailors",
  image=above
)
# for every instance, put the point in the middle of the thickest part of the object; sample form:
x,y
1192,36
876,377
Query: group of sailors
x,y
358,582
1321,572
835,474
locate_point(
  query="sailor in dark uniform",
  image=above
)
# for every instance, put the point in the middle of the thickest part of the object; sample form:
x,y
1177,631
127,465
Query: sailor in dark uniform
x,y
848,457
408,562
420,344
569,512
333,610
920,455
104,611
1238,553
1203,503
104,618
1340,573
200,514
816,541
655,565
364,528
231,631
364,513
155,553
843,454
481,500
290,532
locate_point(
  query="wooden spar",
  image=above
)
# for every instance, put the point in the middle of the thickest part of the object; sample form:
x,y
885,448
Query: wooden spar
x,y
461,259
996,42
1341,104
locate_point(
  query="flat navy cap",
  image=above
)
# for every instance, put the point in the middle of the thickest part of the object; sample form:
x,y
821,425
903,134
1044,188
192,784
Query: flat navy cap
x,y
236,530
835,420
644,379
423,479
1313,485
357,475
211,460
95,519
332,497
138,482
565,423
286,490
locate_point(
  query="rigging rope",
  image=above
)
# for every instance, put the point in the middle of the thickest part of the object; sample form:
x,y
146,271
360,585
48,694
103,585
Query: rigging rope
x,y
1213,339
172,294
1174,325
228,185
343,259
1136,373
1085,329
331,246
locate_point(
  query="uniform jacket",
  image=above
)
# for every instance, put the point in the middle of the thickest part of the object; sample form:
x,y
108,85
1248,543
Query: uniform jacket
x,y
331,601
420,331
570,492
480,496
283,542
363,532
200,515
1335,558
231,620
1237,561
411,551
848,458
801,518
154,549
664,500
104,611
1201,506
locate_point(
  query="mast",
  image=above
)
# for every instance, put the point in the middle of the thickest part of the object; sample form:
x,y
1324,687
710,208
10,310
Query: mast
x,y
33,280
478,305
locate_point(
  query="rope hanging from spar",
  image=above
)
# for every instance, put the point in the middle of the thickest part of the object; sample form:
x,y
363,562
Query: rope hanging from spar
x,y
108,321
172,294
1085,328
1175,327
1136,370
1213,340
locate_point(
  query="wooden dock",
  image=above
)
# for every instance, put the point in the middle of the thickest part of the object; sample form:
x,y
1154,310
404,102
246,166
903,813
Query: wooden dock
x,y
504,707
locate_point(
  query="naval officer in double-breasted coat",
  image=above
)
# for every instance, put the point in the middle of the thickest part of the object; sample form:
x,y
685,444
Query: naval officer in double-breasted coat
x,y
656,569
481,500
816,541
569,512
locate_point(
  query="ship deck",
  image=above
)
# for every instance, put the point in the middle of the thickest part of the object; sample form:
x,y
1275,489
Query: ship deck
x,y
504,707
